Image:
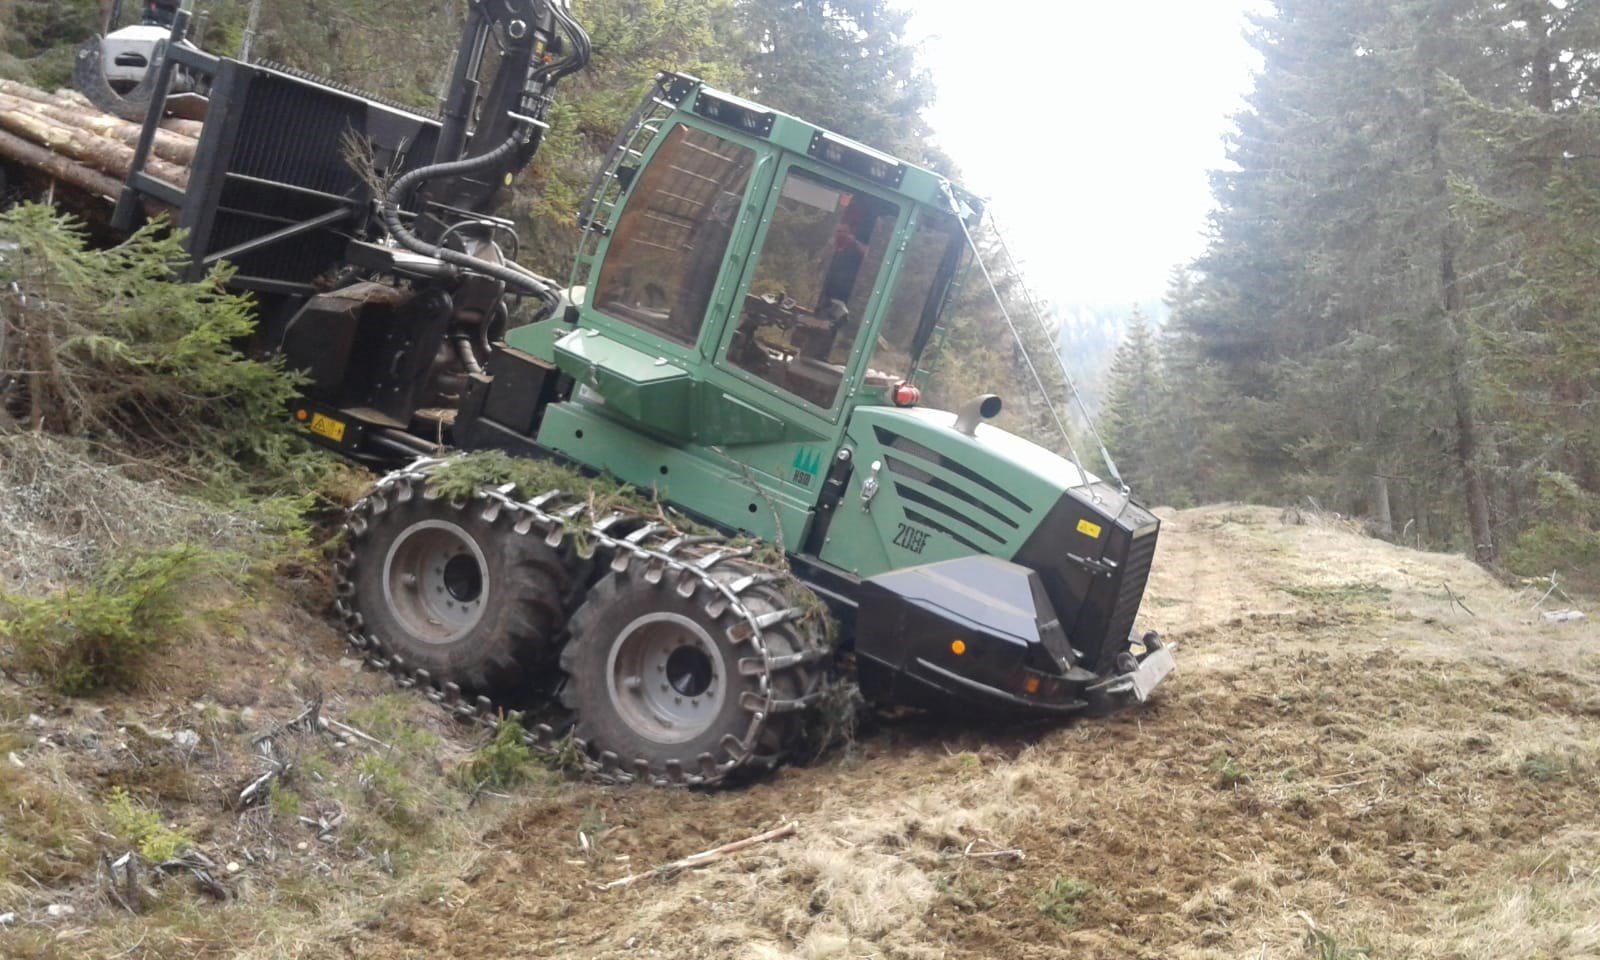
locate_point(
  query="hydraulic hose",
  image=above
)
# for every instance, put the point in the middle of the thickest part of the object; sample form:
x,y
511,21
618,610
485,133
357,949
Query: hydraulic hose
x,y
517,278
464,355
580,44
513,276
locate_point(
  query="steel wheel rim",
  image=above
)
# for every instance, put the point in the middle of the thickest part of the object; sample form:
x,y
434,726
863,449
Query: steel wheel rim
x,y
435,581
667,677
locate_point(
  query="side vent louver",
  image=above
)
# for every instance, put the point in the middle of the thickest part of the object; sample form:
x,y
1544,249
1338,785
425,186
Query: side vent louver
x,y
950,497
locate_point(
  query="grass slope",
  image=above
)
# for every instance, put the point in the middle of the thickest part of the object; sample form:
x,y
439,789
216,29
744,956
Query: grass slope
x,y
1347,764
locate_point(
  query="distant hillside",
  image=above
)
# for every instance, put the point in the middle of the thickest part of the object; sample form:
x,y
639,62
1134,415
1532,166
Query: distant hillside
x,y
1090,333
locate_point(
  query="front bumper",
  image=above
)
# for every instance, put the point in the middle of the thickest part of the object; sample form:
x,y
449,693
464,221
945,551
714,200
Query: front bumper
x,y
927,684
979,633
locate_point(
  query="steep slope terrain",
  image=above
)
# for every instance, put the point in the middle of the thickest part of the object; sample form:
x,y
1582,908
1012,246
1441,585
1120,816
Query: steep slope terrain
x,y
1366,751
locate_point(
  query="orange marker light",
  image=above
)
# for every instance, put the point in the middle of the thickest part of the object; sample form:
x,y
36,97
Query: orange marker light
x,y
302,416
1031,685
958,647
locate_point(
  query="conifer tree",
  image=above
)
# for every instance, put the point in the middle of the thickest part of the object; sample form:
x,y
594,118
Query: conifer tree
x,y
1537,306
843,64
1334,304
1135,405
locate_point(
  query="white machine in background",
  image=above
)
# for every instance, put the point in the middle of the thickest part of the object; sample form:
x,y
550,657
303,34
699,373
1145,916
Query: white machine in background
x,y
117,71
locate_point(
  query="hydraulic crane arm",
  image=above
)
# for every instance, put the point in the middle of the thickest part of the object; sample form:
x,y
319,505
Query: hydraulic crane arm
x,y
488,138
537,43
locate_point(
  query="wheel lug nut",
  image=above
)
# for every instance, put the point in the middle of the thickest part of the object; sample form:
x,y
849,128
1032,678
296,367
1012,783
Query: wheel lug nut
x,y
677,699
632,683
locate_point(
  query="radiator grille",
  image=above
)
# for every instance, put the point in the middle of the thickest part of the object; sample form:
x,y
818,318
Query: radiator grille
x,y
1135,574
293,132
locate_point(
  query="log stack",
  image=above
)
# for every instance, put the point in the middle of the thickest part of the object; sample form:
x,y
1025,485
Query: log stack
x,y
71,141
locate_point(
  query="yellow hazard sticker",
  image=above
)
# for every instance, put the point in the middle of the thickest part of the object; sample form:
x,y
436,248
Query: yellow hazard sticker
x,y
327,427
1084,526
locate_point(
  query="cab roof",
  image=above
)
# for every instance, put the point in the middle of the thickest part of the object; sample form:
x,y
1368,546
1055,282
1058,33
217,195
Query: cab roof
x,y
689,95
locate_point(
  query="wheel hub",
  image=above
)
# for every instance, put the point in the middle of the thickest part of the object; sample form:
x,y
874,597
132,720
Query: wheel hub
x,y
463,578
689,670
435,581
667,677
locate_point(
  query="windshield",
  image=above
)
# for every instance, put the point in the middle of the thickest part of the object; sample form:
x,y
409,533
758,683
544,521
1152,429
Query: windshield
x,y
929,262
812,286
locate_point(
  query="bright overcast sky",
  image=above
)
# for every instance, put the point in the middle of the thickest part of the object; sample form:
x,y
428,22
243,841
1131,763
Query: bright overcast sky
x,y
1090,126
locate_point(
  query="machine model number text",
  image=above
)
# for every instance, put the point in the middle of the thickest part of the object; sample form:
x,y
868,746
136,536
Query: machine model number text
x,y
911,538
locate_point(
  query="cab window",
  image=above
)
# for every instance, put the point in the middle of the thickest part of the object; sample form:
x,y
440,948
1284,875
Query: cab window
x,y
670,242
811,286
926,267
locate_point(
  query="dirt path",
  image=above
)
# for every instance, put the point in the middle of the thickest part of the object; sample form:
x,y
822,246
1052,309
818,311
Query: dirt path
x,y
1346,761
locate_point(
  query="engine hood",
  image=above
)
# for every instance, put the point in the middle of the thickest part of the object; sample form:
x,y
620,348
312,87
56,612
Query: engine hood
x,y
922,493
990,492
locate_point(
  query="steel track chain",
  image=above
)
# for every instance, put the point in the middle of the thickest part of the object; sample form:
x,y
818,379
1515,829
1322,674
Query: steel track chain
x,y
560,516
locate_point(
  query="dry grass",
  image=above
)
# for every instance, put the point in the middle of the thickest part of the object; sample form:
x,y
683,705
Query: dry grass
x,y
63,511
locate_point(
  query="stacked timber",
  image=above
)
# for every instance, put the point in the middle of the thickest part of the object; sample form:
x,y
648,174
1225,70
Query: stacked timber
x,y
65,137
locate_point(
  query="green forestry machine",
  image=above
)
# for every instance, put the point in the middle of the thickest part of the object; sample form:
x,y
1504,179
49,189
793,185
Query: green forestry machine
x,y
743,339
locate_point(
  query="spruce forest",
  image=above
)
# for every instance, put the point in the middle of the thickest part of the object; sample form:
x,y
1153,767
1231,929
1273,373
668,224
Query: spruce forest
x,y
1397,315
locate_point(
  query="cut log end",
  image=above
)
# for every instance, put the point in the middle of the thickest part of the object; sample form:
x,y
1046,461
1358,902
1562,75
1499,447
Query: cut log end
x,y
61,135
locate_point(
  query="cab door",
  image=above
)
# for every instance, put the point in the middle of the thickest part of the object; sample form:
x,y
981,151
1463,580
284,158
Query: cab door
x,y
800,323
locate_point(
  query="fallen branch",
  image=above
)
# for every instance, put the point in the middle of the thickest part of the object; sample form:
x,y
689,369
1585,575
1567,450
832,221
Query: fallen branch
x,y
1457,600
323,825
201,867
347,730
120,879
256,790
1547,593
705,857
1555,587
1011,853
308,719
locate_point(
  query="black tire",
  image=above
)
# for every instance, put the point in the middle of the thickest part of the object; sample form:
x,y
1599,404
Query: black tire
x,y
670,688
454,588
